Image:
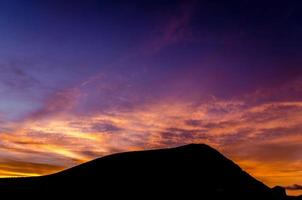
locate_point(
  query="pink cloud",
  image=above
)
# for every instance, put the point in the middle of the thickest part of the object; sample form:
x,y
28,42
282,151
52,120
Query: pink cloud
x,y
174,29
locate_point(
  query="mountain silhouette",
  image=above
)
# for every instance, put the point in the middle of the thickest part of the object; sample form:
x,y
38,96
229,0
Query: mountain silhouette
x,y
194,171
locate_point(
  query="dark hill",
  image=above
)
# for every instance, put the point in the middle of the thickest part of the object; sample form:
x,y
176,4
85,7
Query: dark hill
x,y
193,171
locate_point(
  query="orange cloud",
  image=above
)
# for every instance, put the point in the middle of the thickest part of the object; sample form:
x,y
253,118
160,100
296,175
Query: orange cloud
x,y
265,139
9,168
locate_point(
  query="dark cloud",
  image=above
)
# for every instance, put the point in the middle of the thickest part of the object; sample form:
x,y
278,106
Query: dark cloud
x,y
192,122
60,101
105,127
294,187
91,154
178,136
16,78
267,134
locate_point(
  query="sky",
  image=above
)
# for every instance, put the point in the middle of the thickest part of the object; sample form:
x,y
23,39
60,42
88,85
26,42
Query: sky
x,y
84,79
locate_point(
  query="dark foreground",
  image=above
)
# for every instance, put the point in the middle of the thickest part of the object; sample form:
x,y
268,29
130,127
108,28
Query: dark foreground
x,y
188,172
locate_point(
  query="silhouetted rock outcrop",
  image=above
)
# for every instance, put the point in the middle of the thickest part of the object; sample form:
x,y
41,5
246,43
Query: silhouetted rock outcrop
x,y
193,171
279,192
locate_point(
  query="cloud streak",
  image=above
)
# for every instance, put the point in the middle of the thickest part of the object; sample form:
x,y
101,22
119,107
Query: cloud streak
x,y
263,136
294,187
146,75
269,131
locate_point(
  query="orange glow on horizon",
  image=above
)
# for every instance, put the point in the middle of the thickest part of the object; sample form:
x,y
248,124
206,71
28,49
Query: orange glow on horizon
x,y
267,131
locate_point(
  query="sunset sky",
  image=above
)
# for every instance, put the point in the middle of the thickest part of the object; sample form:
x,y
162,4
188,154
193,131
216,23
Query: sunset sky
x,y
83,79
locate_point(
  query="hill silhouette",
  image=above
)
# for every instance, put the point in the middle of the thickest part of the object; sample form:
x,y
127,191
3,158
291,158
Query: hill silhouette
x,y
194,171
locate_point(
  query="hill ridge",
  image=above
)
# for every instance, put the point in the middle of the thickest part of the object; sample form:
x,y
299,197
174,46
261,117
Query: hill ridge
x,y
187,171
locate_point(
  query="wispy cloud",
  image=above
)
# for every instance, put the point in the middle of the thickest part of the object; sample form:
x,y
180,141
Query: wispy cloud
x,y
294,187
10,168
263,136
267,131
173,29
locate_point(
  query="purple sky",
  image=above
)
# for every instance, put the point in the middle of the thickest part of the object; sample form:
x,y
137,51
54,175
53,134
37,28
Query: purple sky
x,y
121,75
